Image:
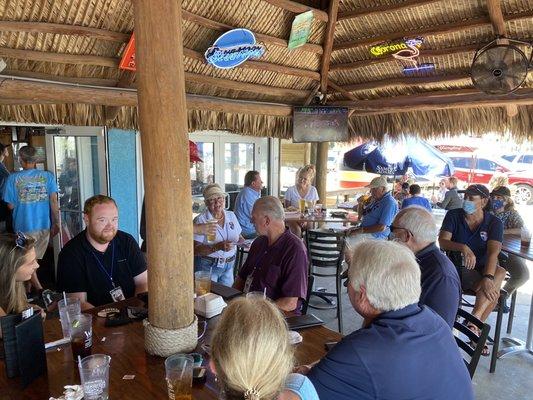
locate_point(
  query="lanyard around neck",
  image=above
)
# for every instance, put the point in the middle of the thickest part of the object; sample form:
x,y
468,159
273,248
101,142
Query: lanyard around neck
x,y
102,267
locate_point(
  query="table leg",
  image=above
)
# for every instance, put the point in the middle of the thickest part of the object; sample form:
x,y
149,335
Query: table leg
x,y
519,345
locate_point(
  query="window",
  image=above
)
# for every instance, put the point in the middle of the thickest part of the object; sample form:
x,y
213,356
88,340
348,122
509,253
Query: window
x,y
526,159
508,157
486,165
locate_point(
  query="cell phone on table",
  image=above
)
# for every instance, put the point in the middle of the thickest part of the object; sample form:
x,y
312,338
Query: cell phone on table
x,y
330,345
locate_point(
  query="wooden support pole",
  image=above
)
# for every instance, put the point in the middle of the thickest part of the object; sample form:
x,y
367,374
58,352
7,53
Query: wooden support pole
x,y
322,148
163,122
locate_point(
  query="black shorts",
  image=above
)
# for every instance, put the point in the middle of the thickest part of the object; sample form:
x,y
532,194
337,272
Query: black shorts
x,y
470,278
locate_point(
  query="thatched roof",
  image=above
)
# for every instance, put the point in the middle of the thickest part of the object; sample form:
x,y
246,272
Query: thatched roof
x,y
81,42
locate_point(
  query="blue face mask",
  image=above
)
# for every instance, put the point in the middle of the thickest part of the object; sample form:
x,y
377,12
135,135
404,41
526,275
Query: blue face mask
x,y
497,204
469,206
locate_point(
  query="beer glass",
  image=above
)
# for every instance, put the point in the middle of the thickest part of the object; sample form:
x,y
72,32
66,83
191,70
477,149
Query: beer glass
x,y
178,369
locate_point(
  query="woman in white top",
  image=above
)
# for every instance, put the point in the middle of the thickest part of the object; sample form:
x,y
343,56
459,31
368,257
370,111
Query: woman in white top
x,y
251,354
303,190
218,255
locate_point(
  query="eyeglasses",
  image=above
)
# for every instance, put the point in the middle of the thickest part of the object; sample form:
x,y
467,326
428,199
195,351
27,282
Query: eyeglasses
x,y
392,228
20,241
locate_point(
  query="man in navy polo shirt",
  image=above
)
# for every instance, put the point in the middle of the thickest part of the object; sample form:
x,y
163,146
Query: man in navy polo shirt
x,y
378,216
477,235
245,201
403,350
277,261
415,228
101,264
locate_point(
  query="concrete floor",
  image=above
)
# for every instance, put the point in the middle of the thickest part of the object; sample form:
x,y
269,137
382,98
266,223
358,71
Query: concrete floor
x,y
513,379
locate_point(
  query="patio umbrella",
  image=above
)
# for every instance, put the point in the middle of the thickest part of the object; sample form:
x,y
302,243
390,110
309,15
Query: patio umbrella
x,y
396,157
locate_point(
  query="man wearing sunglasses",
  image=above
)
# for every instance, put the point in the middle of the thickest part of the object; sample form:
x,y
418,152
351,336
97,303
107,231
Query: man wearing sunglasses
x,y
415,228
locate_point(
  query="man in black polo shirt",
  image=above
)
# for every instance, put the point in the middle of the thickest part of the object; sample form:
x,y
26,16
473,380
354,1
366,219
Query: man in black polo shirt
x,y
415,228
101,264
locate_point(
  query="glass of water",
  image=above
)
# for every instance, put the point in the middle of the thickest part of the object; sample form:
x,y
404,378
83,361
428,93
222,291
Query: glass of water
x,y
94,375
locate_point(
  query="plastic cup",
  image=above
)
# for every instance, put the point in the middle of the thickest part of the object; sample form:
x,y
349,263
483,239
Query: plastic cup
x,y
525,236
81,336
318,208
178,369
94,375
301,205
211,237
202,282
68,312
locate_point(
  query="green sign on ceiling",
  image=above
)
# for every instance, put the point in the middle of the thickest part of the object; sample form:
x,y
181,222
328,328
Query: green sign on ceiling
x,y
301,28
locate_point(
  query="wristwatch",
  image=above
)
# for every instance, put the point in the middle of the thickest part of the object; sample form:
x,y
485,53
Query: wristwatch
x,y
489,276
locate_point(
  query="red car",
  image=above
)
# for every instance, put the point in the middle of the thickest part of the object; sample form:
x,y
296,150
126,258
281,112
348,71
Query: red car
x,y
475,168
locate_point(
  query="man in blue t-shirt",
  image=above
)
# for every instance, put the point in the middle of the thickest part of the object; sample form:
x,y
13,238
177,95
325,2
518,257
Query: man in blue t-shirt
x,y
416,199
476,236
378,216
32,196
245,202
403,350
415,228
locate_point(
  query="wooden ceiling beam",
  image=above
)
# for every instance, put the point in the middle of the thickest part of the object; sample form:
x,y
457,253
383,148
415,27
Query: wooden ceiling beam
x,y
385,8
33,92
405,82
221,27
60,58
430,31
63,29
125,81
339,89
299,8
440,98
61,78
424,53
333,9
262,65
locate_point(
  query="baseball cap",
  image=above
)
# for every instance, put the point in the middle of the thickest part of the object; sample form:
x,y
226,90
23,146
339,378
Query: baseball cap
x,y
501,191
378,181
193,152
478,190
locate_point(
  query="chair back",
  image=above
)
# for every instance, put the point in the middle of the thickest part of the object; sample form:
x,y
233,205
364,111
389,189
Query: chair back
x,y
305,302
325,250
461,330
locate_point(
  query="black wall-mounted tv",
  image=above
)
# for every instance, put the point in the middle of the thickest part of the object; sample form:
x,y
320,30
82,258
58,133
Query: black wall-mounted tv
x,y
320,124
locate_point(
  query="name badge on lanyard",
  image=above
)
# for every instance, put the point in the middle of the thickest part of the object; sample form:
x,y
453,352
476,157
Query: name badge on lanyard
x,y
116,292
248,283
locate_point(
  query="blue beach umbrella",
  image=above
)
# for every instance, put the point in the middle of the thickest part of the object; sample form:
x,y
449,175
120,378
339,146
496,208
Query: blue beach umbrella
x,y
396,157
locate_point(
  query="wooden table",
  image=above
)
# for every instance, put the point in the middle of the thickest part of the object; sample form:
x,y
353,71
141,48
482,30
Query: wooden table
x,y
125,345
324,217
511,244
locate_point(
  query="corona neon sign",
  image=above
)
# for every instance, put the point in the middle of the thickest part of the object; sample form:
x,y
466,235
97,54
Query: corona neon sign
x,y
383,49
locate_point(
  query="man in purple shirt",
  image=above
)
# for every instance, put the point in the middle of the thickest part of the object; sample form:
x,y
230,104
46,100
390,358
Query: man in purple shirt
x,y
277,260
415,228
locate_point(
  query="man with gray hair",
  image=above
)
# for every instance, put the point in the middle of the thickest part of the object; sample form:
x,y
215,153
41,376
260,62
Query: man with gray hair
x,y
415,228
32,196
403,350
277,261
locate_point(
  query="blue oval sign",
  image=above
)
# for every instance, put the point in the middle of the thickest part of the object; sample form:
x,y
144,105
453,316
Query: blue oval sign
x,y
233,48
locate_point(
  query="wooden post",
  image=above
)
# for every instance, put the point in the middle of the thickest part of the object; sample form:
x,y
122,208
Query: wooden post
x,y
322,170
172,324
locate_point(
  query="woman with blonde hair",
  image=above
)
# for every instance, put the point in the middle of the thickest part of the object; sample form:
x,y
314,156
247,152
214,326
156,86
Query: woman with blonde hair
x,y
18,262
302,190
252,356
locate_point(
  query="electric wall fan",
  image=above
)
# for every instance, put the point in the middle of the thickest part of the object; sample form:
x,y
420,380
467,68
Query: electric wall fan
x,y
501,66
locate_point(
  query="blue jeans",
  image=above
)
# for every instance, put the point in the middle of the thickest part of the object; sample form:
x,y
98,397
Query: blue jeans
x,y
222,274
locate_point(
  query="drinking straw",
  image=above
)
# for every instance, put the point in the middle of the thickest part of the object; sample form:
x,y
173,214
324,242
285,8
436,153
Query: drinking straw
x,y
264,293
79,362
66,306
183,368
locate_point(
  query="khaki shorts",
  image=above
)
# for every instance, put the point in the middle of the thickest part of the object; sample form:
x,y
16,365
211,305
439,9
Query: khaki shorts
x,y
42,238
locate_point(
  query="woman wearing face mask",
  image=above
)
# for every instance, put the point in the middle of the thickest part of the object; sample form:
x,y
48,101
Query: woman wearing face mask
x,y
477,235
503,208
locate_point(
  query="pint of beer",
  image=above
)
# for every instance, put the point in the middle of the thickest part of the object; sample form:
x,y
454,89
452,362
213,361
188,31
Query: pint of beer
x,y
301,205
212,234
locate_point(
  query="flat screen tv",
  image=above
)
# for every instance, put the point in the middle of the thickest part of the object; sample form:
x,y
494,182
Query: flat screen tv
x,y
320,124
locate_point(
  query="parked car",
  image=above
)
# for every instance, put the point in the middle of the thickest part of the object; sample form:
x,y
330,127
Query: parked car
x,y
474,168
520,161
